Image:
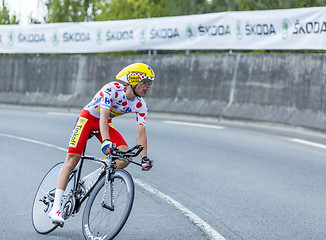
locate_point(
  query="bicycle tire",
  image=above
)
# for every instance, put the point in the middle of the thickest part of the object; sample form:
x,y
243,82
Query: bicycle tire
x,y
41,222
102,223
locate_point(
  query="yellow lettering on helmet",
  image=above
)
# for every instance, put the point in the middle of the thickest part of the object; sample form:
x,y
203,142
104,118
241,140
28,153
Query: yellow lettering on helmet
x,y
134,79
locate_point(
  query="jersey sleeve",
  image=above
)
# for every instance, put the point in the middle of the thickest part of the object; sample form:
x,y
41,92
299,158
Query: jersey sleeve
x,y
141,115
106,96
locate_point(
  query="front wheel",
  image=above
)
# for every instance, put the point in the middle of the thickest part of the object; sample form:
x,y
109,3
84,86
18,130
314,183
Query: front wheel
x,y
104,220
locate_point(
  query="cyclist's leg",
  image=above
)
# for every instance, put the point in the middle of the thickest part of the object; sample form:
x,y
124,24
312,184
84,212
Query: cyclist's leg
x,y
77,143
69,165
120,163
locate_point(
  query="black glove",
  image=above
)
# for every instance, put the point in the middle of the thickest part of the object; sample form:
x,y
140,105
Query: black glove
x,y
147,164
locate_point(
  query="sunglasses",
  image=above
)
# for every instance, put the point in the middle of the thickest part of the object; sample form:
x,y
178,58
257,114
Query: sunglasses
x,y
147,82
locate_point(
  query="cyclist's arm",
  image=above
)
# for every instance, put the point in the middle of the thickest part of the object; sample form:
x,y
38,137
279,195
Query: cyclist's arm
x,y
142,139
104,126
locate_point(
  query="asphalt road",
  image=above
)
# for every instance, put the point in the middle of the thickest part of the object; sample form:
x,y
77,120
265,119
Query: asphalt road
x,y
243,181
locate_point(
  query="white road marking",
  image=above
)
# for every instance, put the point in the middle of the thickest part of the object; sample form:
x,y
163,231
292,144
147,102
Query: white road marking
x,y
308,143
212,233
194,124
33,141
63,114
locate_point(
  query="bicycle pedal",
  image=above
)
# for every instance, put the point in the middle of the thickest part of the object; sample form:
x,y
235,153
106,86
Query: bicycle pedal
x,y
60,224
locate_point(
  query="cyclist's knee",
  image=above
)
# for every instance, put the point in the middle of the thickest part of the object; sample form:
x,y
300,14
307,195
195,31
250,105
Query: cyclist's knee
x,y
121,164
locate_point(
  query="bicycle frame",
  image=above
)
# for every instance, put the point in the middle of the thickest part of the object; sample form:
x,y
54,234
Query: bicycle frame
x,y
109,168
79,189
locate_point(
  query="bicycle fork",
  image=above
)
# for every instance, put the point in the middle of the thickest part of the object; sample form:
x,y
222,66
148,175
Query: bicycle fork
x,y
106,184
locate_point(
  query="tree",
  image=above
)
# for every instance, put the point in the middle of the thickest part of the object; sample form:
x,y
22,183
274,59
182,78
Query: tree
x,y
129,9
69,10
185,7
103,10
245,5
5,17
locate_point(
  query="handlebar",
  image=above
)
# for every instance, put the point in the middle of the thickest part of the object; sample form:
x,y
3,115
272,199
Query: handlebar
x,y
117,153
132,152
120,153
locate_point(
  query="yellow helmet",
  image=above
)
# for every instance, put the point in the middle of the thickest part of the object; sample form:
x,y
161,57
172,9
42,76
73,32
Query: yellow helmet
x,y
134,73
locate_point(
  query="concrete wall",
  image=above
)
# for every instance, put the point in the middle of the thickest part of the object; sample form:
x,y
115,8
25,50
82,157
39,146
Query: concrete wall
x,y
283,88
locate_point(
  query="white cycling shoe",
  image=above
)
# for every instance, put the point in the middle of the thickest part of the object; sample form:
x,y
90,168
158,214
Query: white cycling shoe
x,y
56,217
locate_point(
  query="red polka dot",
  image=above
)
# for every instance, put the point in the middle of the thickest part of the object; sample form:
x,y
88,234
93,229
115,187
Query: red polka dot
x,y
138,105
116,94
142,114
124,103
137,119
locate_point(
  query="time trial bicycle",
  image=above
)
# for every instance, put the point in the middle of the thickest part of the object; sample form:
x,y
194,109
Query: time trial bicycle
x,y
110,194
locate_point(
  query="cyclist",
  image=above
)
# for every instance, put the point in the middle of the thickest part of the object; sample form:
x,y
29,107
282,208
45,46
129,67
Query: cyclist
x,y
125,95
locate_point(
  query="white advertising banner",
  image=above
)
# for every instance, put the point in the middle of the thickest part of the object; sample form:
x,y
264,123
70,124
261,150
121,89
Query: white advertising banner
x,y
301,28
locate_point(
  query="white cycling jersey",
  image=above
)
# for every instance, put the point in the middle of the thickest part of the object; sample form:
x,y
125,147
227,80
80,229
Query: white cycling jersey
x,y
112,96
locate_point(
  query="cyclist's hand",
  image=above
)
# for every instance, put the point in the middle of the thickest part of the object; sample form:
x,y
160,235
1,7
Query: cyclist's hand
x,y
106,146
147,164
